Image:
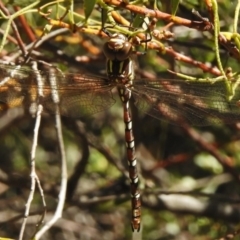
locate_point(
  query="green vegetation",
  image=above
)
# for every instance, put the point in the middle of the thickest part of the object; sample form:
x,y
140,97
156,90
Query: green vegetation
x,y
188,160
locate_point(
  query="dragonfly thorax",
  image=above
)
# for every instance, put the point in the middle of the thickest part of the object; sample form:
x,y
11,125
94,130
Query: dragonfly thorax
x,y
121,72
119,64
118,48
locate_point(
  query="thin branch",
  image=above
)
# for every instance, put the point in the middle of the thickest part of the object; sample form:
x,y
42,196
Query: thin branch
x,y
33,170
63,186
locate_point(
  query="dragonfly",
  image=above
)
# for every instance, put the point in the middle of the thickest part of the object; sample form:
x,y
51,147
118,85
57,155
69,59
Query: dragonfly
x,y
176,100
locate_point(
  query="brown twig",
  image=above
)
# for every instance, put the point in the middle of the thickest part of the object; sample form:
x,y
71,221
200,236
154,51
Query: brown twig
x,y
200,25
15,30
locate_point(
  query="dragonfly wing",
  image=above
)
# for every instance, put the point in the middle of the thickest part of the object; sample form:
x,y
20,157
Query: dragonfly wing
x,y
79,95
12,81
177,101
83,104
83,95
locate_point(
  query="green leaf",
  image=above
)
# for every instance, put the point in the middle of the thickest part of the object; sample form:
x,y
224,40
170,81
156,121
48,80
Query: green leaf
x,y
208,162
137,21
19,3
104,16
174,6
88,7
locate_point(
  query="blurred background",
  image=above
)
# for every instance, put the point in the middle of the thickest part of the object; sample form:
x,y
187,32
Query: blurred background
x,y
189,174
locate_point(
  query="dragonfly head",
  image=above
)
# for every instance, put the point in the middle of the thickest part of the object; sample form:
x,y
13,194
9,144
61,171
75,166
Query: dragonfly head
x,y
117,48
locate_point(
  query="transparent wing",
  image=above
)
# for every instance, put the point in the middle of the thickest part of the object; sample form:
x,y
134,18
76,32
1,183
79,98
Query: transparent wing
x,y
79,94
197,103
177,100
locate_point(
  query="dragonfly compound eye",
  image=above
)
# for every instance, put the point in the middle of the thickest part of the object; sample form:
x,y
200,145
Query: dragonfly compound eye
x,y
117,48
